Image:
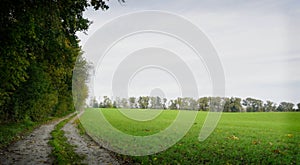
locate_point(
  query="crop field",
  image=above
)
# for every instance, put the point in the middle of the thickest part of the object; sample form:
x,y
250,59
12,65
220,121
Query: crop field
x,y
239,138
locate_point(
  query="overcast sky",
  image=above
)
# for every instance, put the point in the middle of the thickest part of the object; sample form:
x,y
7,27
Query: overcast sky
x,y
256,41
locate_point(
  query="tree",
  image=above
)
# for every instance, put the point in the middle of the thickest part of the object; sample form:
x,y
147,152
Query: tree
x,y
132,102
155,102
143,102
232,105
184,103
298,105
29,100
94,103
124,103
203,104
114,105
253,105
179,103
173,104
152,102
269,106
193,105
158,104
285,107
117,102
38,50
79,80
164,104
107,103
216,104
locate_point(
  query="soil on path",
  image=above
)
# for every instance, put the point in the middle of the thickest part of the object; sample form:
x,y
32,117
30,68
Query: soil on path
x,y
34,148
94,154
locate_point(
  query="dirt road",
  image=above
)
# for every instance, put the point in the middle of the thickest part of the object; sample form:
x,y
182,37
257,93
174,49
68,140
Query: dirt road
x,y
34,148
94,154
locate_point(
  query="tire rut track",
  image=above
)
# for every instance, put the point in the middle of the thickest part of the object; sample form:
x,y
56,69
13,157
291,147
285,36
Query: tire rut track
x,y
94,154
33,149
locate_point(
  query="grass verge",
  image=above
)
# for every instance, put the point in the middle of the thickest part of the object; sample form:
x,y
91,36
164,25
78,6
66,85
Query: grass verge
x,y
63,152
11,132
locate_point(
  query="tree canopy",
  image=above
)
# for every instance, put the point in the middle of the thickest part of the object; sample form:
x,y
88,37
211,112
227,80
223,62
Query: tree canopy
x,y
38,53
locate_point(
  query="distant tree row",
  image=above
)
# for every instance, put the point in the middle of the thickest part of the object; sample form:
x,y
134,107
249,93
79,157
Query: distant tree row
x,y
232,104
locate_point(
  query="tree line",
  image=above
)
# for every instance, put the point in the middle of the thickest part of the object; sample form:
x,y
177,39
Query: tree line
x,y
228,104
38,51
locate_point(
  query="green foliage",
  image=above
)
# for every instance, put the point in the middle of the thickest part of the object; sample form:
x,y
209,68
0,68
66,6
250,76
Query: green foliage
x,y
232,105
80,127
62,151
132,102
107,102
14,131
143,102
269,106
253,105
79,79
124,103
173,104
285,107
156,103
35,98
38,52
94,103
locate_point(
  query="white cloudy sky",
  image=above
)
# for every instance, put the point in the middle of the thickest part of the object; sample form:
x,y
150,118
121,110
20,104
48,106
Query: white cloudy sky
x,y
257,43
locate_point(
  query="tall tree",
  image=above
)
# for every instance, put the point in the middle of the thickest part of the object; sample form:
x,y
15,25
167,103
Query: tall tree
x,y
203,104
152,102
269,106
216,104
94,103
143,102
107,103
158,103
232,105
79,80
117,102
184,103
132,102
193,105
179,103
173,104
164,104
285,107
253,105
124,103
38,51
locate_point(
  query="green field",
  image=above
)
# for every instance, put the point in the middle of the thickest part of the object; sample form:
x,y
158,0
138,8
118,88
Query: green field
x,y
240,138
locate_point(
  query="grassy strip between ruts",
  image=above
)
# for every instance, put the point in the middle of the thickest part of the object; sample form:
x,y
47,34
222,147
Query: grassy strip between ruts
x,y
63,152
80,127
